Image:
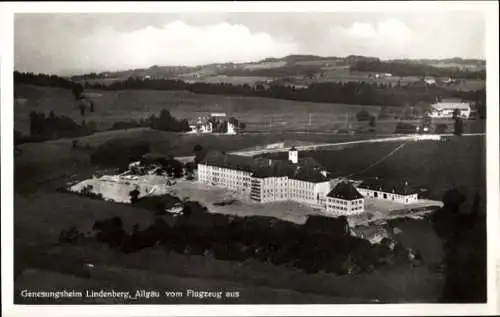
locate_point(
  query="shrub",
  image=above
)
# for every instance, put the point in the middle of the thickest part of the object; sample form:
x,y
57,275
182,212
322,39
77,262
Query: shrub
x,y
119,152
403,127
363,115
441,128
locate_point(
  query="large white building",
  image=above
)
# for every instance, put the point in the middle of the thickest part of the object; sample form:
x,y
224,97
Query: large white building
x,y
297,179
446,109
300,180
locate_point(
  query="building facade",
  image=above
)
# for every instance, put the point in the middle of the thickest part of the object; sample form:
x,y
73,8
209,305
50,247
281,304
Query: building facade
x,y
446,109
399,192
345,200
233,179
267,180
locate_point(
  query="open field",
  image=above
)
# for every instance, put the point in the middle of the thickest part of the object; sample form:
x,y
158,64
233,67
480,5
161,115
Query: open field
x,y
253,280
235,80
112,106
259,114
344,75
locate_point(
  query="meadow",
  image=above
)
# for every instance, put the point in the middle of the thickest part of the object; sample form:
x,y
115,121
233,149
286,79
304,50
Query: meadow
x,y
111,106
259,114
39,219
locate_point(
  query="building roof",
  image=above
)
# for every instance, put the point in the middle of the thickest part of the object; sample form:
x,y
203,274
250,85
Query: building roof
x,y
263,168
308,175
309,162
236,162
272,168
345,191
387,186
451,105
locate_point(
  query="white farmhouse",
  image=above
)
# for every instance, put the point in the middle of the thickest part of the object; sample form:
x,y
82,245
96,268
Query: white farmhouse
x,y
446,109
430,81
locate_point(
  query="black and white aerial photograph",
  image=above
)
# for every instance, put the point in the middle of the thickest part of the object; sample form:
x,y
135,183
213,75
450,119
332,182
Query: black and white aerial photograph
x,y
251,157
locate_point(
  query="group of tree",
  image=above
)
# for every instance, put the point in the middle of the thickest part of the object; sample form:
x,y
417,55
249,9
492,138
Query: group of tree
x,y
416,69
165,164
362,93
322,244
462,228
164,121
157,204
364,115
52,127
42,80
119,153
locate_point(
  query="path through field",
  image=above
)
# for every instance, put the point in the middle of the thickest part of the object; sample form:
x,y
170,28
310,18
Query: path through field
x,y
322,145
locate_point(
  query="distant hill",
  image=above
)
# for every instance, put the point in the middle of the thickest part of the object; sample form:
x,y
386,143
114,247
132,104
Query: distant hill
x,y
292,65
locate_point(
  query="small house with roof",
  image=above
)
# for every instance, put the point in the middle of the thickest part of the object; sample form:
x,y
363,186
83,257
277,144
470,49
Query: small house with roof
x,y
388,190
345,200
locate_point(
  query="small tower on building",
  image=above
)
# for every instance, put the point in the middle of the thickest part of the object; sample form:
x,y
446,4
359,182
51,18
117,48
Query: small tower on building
x,y
293,155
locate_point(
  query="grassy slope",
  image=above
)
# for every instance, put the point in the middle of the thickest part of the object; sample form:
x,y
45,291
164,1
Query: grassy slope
x,y
436,166
134,104
260,114
39,219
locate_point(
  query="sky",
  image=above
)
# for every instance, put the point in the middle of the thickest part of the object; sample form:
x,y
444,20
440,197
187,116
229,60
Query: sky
x,y
79,43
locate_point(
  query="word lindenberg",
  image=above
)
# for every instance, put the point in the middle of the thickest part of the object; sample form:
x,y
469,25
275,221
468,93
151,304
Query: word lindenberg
x,y
126,295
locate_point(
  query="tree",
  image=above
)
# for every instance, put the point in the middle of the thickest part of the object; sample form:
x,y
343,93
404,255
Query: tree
x,y
199,153
464,239
81,106
373,121
459,126
134,196
384,113
441,128
363,115
77,91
